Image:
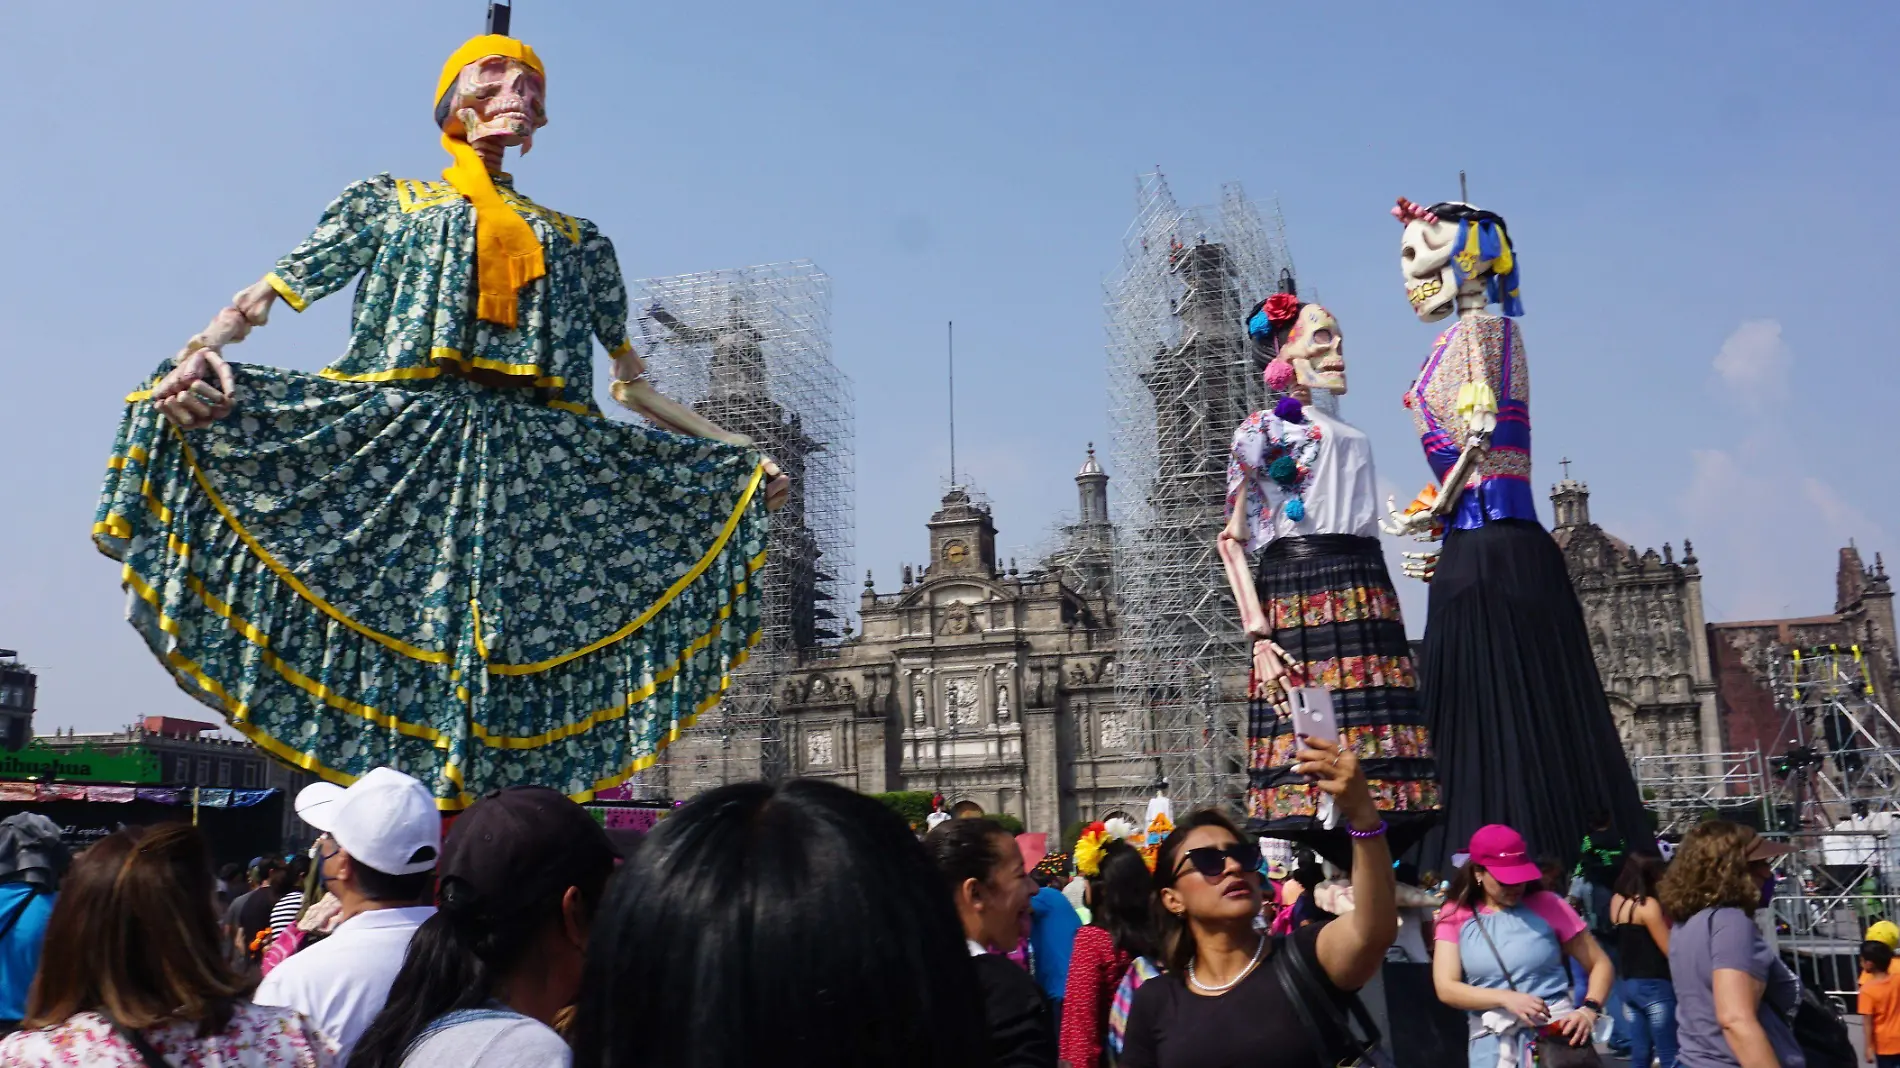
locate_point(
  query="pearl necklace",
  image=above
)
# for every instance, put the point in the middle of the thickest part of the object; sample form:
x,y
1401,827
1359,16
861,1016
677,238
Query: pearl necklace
x,y
1259,951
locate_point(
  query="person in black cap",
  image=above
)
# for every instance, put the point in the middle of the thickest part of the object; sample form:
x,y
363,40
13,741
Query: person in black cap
x,y
520,879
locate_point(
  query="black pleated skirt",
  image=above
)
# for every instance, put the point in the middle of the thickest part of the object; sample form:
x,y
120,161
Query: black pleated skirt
x,y
1519,722
1331,605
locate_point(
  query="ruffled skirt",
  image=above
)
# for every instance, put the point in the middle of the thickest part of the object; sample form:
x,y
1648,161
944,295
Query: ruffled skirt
x,y
453,580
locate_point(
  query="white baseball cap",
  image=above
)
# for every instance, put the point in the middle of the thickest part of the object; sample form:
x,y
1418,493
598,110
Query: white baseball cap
x,y
385,819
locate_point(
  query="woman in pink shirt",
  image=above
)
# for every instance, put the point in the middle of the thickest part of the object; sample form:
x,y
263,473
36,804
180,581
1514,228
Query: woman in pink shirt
x,y
1502,940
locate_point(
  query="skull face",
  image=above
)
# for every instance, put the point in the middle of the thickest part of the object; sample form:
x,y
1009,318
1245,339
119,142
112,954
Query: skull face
x,y
1316,350
498,99
1425,259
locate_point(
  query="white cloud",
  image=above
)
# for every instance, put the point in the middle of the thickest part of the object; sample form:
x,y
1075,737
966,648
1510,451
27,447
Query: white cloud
x,y
1840,518
1754,362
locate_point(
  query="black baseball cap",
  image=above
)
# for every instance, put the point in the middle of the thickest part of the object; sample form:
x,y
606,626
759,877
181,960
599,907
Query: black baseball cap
x,y
513,848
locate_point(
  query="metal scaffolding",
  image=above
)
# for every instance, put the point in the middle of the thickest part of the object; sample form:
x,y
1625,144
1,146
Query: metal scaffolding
x,y
1182,375
1840,757
750,349
1682,789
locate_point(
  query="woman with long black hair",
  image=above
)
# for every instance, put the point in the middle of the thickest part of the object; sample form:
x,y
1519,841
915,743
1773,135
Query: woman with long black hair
x,y
1642,937
1225,998
1120,930
521,877
798,926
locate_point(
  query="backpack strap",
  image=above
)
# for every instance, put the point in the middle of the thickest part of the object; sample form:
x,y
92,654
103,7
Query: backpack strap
x,y
491,1011
1322,1015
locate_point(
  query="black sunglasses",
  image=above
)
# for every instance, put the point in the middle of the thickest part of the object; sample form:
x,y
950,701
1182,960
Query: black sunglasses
x,y
1210,861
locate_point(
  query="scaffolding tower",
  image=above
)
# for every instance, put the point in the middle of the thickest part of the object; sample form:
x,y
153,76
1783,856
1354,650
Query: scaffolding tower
x,y
1842,748
750,349
1182,375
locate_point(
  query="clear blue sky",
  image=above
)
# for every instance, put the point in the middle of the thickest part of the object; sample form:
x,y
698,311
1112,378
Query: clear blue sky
x,y
1702,195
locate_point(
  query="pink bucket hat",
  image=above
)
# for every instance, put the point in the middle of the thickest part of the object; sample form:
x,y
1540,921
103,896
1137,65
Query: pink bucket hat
x,y
1502,852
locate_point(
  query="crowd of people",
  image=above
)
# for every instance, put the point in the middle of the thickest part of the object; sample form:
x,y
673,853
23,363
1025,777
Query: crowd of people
x,y
805,924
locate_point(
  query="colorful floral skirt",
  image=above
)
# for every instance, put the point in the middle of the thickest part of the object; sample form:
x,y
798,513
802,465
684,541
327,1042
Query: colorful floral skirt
x,y
449,579
1330,602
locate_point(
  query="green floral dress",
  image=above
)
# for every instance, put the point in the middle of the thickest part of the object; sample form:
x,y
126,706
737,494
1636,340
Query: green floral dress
x,y
436,555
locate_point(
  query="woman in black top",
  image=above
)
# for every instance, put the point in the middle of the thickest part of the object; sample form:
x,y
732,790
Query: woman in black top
x,y
1642,934
1220,1004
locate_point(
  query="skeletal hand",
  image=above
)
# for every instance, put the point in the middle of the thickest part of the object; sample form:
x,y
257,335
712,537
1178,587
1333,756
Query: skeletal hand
x,y
1421,566
1270,662
1415,524
198,391
188,396
777,485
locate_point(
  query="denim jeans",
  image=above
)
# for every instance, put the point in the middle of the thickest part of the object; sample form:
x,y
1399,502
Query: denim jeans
x,y
1649,1010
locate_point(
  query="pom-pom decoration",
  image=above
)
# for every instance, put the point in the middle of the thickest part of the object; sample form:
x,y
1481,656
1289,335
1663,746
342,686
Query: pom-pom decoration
x,y
1278,376
1284,471
1290,409
1122,830
1088,850
1295,510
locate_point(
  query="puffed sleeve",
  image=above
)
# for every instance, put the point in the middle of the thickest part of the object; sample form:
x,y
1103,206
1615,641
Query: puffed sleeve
x,y
343,244
606,290
1488,354
1243,464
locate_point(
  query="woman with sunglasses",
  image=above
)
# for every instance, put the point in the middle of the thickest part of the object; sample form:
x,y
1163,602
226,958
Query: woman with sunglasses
x,y
1220,1003
1502,940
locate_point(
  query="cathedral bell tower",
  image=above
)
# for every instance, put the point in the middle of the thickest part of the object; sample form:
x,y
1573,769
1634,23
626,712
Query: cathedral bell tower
x,y
1570,502
962,536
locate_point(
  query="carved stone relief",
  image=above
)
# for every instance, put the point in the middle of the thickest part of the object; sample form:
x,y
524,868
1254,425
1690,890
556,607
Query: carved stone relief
x,y
818,748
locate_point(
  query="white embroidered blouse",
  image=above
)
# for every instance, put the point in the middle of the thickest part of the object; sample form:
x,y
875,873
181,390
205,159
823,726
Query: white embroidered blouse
x,y
1341,495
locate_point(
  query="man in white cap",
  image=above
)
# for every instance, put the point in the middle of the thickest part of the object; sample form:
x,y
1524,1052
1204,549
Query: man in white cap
x,y
377,854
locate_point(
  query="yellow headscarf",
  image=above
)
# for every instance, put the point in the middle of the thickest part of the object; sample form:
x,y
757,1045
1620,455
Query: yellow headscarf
x,y
507,254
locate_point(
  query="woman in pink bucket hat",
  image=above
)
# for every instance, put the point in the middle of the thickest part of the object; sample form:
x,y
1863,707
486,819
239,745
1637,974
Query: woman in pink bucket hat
x,y
1502,940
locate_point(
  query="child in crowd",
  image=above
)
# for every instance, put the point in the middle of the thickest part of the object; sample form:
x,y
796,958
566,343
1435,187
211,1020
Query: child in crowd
x,y
1879,1005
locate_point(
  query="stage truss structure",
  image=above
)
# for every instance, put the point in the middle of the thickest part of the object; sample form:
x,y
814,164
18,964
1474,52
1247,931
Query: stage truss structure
x,y
750,349
1683,789
1830,789
1842,748
1182,375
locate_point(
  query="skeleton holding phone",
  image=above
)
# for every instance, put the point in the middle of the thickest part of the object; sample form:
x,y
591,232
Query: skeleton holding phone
x,y
1302,556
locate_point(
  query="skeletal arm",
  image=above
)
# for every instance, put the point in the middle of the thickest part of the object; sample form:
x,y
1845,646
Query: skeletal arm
x,y
633,391
198,389
1270,662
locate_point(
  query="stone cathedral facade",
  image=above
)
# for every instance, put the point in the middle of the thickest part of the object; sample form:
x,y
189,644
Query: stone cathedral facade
x,y
993,687
1647,627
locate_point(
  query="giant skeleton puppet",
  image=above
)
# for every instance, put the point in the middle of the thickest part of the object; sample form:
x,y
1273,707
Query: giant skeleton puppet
x,y
1519,723
1302,556
436,554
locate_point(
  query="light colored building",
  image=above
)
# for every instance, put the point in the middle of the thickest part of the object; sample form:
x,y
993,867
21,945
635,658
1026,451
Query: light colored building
x,y
991,686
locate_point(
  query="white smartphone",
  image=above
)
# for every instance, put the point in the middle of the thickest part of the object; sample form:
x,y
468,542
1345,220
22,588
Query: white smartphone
x,y
1313,713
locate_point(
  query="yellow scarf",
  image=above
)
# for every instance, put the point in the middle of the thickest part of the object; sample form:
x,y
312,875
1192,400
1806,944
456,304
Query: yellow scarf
x,y
507,254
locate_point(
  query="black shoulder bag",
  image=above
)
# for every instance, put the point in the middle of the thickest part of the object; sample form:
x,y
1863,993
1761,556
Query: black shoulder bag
x,y
1553,1051
145,1051
1324,1017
